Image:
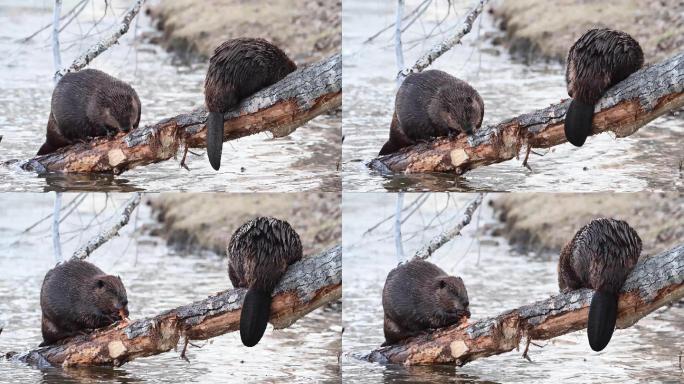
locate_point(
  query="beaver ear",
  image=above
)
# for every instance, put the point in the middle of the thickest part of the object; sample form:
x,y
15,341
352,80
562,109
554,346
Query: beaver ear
x,y
119,277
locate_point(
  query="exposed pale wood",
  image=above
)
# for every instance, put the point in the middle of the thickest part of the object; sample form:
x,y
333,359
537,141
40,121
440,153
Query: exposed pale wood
x,y
307,285
655,282
644,96
279,109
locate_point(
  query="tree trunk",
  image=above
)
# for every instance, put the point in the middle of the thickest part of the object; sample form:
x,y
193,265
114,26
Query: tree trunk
x,y
624,109
307,285
279,109
655,282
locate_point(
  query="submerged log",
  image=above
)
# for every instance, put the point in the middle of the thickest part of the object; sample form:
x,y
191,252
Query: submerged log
x,y
307,285
628,106
279,109
655,282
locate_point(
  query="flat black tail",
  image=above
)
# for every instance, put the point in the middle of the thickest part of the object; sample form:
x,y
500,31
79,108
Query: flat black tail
x,y
602,316
215,138
578,122
256,311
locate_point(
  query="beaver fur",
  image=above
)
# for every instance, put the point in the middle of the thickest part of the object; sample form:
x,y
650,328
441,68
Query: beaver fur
x,y
432,104
237,69
76,296
600,256
87,104
598,60
419,296
259,253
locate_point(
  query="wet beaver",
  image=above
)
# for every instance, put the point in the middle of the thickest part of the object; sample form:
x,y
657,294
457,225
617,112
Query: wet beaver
x,y
600,256
87,104
598,60
77,296
432,104
238,69
419,296
259,253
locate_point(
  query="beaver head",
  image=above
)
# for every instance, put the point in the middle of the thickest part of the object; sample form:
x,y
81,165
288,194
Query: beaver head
x,y
451,296
460,113
121,111
110,296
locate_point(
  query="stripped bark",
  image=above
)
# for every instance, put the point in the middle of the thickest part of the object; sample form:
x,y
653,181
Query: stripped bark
x,y
628,106
428,249
655,282
279,109
85,250
307,285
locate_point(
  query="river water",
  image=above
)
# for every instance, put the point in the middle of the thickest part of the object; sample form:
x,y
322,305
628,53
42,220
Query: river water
x,y
647,160
157,278
305,160
497,279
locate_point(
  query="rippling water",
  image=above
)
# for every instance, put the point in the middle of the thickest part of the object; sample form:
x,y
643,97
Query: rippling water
x,y
157,278
305,160
497,279
647,160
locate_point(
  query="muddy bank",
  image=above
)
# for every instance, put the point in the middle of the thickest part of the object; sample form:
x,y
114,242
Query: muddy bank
x,y
545,222
204,221
538,29
307,30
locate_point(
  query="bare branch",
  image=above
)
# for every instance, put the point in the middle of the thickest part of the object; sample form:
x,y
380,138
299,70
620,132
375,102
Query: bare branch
x,y
655,282
122,219
307,285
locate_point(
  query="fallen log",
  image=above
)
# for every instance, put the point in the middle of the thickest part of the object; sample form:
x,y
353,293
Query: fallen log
x,y
644,96
655,282
307,285
279,109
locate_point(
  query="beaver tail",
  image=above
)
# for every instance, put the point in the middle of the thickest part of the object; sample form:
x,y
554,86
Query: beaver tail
x,y
578,122
602,316
256,311
215,138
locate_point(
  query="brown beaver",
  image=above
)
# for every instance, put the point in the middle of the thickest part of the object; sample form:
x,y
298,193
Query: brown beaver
x,y
432,104
238,69
600,256
259,253
419,296
598,60
77,296
87,104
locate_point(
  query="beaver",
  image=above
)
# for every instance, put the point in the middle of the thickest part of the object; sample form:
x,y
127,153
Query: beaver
x,y
238,68
77,296
419,296
259,253
598,60
87,104
432,104
600,256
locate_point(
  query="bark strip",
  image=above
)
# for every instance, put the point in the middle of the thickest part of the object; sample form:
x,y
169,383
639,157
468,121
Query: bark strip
x,y
279,109
633,103
655,282
307,285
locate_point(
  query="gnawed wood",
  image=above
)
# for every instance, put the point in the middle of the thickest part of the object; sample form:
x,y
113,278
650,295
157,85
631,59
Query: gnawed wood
x,y
279,109
655,282
644,96
307,285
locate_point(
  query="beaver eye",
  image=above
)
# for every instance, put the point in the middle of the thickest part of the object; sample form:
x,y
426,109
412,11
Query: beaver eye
x,y
100,284
442,284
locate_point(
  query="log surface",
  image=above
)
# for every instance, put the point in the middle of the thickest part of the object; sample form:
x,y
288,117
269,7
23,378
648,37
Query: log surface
x,y
307,285
279,109
628,106
655,282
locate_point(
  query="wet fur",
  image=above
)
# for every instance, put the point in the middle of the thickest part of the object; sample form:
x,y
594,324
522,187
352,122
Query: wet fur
x,y
259,253
600,257
87,104
76,296
432,104
237,69
598,60
419,296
